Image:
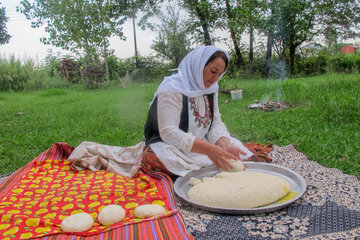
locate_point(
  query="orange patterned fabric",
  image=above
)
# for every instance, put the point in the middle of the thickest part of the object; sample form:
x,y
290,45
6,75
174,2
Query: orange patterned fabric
x,y
151,162
261,152
51,191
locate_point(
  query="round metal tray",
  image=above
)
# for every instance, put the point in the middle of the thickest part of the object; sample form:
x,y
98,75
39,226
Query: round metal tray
x,y
296,181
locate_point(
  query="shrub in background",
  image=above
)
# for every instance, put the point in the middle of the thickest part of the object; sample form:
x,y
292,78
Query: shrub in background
x,y
42,80
14,74
145,69
345,63
312,65
117,67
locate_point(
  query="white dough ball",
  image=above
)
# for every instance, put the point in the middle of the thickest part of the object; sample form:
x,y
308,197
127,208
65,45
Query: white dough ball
x,y
194,181
237,165
111,214
79,222
149,210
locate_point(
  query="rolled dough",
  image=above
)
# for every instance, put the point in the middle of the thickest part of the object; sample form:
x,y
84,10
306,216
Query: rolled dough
x,y
149,210
111,214
239,190
79,222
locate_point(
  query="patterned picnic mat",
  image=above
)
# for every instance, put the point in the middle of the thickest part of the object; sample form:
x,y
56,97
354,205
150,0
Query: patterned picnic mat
x,y
330,208
35,200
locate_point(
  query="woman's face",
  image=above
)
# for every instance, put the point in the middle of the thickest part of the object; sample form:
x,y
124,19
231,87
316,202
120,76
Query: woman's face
x,y
212,71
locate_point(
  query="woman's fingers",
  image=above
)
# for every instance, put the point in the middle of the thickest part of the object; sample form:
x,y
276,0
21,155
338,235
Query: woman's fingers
x,y
242,152
221,157
236,151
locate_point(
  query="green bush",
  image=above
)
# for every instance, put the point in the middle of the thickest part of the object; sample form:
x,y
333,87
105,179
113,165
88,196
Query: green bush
x,y
41,80
345,63
14,74
313,65
117,67
146,69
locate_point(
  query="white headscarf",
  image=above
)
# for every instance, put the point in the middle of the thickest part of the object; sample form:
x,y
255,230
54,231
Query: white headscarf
x,y
189,78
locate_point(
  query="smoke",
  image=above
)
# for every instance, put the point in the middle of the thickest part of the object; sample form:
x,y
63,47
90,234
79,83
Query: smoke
x,y
274,83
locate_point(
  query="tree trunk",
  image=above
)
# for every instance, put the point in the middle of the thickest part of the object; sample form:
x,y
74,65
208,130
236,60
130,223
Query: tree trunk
x,y
251,50
207,40
239,59
87,47
135,43
88,60
292,49
204,25
269,46
106,63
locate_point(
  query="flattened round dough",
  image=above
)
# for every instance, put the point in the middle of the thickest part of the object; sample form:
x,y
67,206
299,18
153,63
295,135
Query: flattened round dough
x,y
111,214
149,210
79,222
239,190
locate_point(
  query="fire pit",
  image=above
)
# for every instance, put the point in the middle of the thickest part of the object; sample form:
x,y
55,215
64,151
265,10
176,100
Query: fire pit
x,y
267,106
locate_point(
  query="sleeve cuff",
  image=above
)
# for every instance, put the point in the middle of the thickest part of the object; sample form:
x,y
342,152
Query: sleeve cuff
x,y
187,143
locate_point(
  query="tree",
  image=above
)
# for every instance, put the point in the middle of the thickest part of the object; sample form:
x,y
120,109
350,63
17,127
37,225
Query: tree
x,y
238,16
4,36
268,27
172,41
124,9
291,23
233,22
253,15
202,21
74,24
338,20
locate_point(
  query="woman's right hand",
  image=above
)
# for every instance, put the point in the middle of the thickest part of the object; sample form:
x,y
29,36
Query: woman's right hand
x,y
221,157
217,155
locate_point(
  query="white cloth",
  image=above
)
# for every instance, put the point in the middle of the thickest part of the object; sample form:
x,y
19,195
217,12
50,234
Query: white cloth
x,y
174,151
189,78
124,161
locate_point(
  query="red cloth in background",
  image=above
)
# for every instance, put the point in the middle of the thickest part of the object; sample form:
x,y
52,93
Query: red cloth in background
x,y
261,152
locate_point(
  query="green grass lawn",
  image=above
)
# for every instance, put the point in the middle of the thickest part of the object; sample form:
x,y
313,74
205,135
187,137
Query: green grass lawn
x,y
323,120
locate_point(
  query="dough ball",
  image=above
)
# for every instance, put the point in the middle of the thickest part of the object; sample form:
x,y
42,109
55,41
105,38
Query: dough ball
x,y
237,165
79,222
111,214
239,190
149,210
194,181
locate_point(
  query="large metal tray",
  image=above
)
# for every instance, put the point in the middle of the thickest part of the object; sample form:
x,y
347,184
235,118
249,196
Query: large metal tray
x,y
296,181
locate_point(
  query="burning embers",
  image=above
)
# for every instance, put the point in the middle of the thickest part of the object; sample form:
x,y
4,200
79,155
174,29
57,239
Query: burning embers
x,y
267,106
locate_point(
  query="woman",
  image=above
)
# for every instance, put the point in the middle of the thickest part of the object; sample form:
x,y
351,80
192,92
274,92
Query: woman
x,y
184,130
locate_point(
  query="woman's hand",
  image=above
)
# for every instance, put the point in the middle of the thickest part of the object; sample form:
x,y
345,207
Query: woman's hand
x,y
234,150
220,157
216,153
226,145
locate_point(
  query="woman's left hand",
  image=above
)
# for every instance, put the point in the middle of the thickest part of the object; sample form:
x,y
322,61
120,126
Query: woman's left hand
x,y
234,150
226,145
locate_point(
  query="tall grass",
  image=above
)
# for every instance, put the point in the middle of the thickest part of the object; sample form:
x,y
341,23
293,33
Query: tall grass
x,y
322,121
14,73
17,75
